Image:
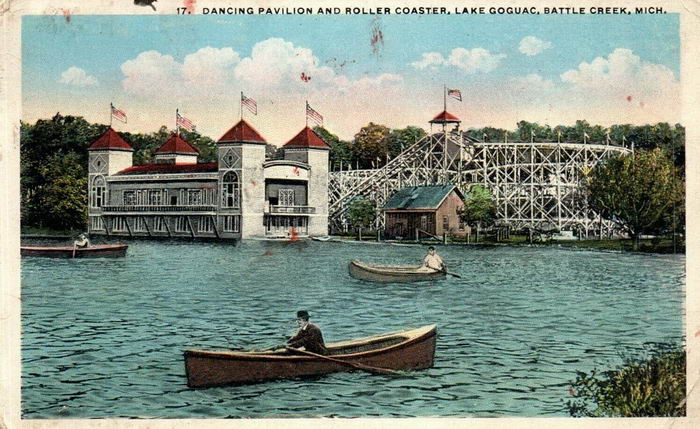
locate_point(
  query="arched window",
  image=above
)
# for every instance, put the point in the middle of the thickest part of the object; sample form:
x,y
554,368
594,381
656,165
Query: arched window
x,y
98,192
230,191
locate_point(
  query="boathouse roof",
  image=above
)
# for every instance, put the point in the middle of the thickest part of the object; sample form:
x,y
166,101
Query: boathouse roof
x,y
420,197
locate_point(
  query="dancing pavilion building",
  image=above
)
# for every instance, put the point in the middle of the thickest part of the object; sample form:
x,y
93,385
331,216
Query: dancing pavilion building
x,y
240,196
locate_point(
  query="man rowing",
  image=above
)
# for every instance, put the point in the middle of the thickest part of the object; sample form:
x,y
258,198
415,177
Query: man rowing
x,y
81,242
432,261
308,336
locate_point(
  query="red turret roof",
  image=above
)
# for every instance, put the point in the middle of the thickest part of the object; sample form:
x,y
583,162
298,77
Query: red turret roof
x,y
110,140
307,138
445,117
242,132
177,144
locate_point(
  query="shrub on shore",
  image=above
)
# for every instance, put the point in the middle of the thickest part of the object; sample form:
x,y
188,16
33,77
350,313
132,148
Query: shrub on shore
x,y
653,386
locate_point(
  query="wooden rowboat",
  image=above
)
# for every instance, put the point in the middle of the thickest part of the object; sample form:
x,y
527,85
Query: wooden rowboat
x,y
96,251
403,350
392,273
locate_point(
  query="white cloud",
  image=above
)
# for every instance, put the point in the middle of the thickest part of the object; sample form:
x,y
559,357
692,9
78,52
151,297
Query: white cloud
x,y
469,61
274,62
531,45
429,59
151,73
475,60
210,65
623,71
77,77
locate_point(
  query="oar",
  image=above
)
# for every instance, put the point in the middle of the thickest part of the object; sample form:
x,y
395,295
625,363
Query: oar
x,y
73,250
444,270
372,369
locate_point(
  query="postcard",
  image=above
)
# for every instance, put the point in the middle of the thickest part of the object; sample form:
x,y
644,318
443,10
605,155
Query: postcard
x,y
332,213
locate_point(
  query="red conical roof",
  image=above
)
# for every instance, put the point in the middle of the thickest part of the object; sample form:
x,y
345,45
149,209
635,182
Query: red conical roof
x,y
242,132
110,140
307,138
445,117
177,144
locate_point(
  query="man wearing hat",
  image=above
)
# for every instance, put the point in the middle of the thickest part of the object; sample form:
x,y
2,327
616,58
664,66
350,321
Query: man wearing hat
x,y
309,335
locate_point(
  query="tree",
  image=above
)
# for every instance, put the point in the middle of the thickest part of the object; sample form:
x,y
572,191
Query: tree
x,y
341,150
361,214
637,191
479,207
370,145
400,139
62,202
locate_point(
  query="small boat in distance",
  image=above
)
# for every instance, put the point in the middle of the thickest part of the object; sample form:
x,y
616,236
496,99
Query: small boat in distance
x,y
94,251
392,273
324,238
403,350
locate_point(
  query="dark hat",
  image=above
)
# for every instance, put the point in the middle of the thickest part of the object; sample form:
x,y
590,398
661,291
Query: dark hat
x,y
303,314
431,248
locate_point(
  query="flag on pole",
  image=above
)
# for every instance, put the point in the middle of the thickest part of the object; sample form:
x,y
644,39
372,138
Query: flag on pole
x,y
585,136
314,115
607,136
249,104
182,122
455,93
118,114
532,136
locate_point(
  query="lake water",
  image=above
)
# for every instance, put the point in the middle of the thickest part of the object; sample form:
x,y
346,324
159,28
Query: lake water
x,y
104,337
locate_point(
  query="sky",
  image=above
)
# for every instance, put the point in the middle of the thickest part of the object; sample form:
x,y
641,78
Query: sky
x,y
609,69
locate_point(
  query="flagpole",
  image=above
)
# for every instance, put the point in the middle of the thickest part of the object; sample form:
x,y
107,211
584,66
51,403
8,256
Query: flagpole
x,y
111,107
306,113
444,97
240,106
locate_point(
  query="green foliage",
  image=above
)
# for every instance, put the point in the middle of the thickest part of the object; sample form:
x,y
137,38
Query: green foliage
x,y
371,145
649,387
272,152
479,207
361,213
62,200
400,139
641,192
341,150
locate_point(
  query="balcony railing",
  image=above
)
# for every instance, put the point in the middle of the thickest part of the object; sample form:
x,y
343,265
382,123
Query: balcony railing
x,y
179,208
292,210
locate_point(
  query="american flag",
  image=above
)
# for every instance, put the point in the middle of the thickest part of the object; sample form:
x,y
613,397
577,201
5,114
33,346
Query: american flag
x,y
250,104
118,114
455,93
183,122
314,115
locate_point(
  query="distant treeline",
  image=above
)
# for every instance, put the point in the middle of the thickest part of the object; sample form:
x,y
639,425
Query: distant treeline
x,y
54,155
375,143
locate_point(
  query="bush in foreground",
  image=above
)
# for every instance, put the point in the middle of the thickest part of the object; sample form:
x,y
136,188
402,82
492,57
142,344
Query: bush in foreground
x,y
649,387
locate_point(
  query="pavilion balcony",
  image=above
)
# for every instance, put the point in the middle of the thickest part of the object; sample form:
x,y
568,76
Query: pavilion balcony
x,y
291,210
122,209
